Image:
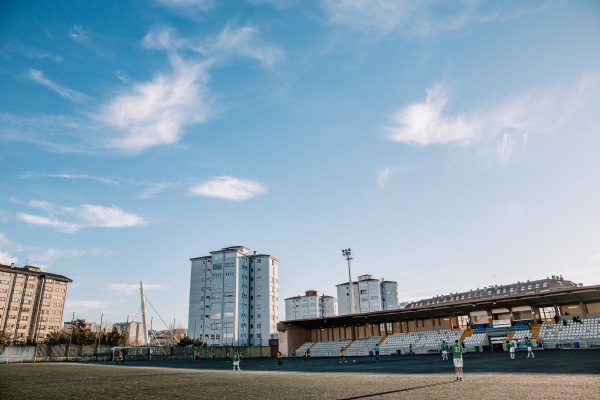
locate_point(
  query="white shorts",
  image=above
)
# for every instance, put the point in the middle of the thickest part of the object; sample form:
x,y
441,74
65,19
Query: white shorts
x,y
445,353
236,363
529,348
458,362
512,349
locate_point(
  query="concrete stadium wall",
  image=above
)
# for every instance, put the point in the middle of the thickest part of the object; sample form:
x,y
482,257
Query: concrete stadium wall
x,y
17,354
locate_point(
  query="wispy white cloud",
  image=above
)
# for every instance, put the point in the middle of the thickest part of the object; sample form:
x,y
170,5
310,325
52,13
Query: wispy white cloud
x,y
83,37
83,306
50,255
108,181
238,41
424,123
187,6
420,18
127,288
156,113
67,93
165,38
505,127
143,114
149,188
31,52
7,258
54,133
229,188
155,188
73,219
123,77
386,173
245,41
8,250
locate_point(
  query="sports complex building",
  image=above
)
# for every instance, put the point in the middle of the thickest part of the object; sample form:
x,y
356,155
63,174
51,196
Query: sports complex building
x,y
553,312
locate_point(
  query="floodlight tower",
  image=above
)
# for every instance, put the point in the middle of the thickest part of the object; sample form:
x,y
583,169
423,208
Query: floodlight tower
x,y
347,253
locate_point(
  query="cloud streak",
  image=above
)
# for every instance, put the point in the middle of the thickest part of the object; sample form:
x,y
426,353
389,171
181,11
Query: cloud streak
x,y
418,18
69,94
73,219
229,188
127,289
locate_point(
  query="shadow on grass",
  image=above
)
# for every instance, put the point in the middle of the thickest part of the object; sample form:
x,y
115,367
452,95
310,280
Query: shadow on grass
x,y
396,391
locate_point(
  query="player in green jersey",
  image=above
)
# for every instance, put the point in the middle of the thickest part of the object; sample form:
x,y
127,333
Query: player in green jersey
x,y
457,356
236,360
511,349
444,348
529,347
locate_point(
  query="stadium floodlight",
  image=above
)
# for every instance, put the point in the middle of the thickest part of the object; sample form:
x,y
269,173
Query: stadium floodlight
x,y
347,253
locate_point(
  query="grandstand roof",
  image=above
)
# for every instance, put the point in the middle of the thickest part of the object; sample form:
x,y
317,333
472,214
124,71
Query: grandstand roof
x,y
563,297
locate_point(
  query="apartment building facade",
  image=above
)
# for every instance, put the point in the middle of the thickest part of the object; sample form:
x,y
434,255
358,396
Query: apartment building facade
x,y
31,302
234,297
370,294
311,305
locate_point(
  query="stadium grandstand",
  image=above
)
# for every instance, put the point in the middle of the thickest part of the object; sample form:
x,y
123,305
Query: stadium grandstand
x,y
552,312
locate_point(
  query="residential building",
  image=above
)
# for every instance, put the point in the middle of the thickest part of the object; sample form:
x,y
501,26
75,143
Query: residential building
x,y
389,295
370,294
133,330
311,305
234,298
32,302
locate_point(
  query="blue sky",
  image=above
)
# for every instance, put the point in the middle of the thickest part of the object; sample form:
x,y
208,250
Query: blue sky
x,y
451,145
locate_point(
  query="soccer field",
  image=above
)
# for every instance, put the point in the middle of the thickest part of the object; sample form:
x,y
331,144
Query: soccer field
x,y
551,375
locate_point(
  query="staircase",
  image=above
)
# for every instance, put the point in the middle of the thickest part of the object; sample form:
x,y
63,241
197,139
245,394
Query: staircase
x,y
383,339
466,334
535,331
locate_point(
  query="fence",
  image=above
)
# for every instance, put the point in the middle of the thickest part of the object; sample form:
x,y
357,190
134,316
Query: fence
x,y
66,352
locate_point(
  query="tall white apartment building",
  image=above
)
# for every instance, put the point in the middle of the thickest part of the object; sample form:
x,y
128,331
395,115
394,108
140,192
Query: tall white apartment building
x,y
311,305
389,295
234,298
370,295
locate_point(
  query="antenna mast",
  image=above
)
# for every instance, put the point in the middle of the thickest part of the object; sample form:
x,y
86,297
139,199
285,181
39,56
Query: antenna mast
x,y
144,324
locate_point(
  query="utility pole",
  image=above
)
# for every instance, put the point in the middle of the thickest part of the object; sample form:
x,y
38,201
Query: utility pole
x,y
71,336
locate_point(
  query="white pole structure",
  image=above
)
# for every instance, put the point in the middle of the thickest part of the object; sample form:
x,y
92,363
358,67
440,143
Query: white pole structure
x,y
348,255
144,325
